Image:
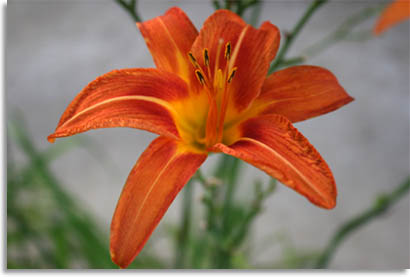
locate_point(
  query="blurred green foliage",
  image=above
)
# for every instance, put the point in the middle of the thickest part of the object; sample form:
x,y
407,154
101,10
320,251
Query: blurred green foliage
x,y
48,228
220,239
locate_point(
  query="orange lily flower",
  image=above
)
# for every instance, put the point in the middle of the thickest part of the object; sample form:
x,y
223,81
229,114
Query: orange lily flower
x,y
209,93
393,14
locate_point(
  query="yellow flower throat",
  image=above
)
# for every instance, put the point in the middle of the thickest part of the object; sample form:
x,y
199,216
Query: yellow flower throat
x,y
217,92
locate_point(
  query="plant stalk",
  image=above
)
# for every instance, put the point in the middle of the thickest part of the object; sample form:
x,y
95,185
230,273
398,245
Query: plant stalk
x,y
382,204
289,38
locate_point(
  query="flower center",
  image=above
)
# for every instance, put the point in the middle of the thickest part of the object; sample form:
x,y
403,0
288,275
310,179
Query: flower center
x,y
215,84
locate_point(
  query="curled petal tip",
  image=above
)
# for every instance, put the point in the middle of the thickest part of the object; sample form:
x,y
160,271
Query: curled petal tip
x,y
273,144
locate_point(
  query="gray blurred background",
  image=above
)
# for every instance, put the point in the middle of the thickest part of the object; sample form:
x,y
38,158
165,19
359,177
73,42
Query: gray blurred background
x,y
55,48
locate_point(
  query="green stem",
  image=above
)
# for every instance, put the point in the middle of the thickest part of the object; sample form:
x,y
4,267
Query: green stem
x,y
242,6
216,4
130,8
342,31
184,234
84,226
36,238
291,61
228,4
260,195
200,178
256,11
208,200
230,166
230,181
292,35
382,204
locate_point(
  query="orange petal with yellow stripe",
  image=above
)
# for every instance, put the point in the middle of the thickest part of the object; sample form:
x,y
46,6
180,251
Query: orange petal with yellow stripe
x,y
273,145
160,173
169,38
251,52
135,98
301,92
396,12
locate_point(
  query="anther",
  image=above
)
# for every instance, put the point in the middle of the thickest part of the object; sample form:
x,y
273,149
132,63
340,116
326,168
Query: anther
x,y
193,60
206,57
200,77
228,50
232,74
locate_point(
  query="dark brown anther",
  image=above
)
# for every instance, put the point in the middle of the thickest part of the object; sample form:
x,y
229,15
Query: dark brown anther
x,y
193,60
232,74
206,57
228,51
199,76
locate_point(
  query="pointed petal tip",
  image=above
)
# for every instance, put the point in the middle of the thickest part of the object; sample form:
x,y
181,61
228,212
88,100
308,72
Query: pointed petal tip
x,y
51,138
328,204
121,264
155,180
348,99
302,92
377,31
328,201
116,259
395,12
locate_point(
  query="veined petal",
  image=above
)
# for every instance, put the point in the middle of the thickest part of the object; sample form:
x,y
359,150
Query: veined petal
x,y
169,38
158,176
396,12
136,98
252,51
301,92
272,144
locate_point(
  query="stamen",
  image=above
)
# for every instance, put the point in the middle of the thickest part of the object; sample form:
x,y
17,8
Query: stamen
x,y
232,74
199,76
219,79
193,60
228,51
206,57
237,47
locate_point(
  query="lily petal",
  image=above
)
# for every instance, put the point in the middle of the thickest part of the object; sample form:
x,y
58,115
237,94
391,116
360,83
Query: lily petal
x,y
273,145
301,92
136,98
252,51
396,12
157,177
169,38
